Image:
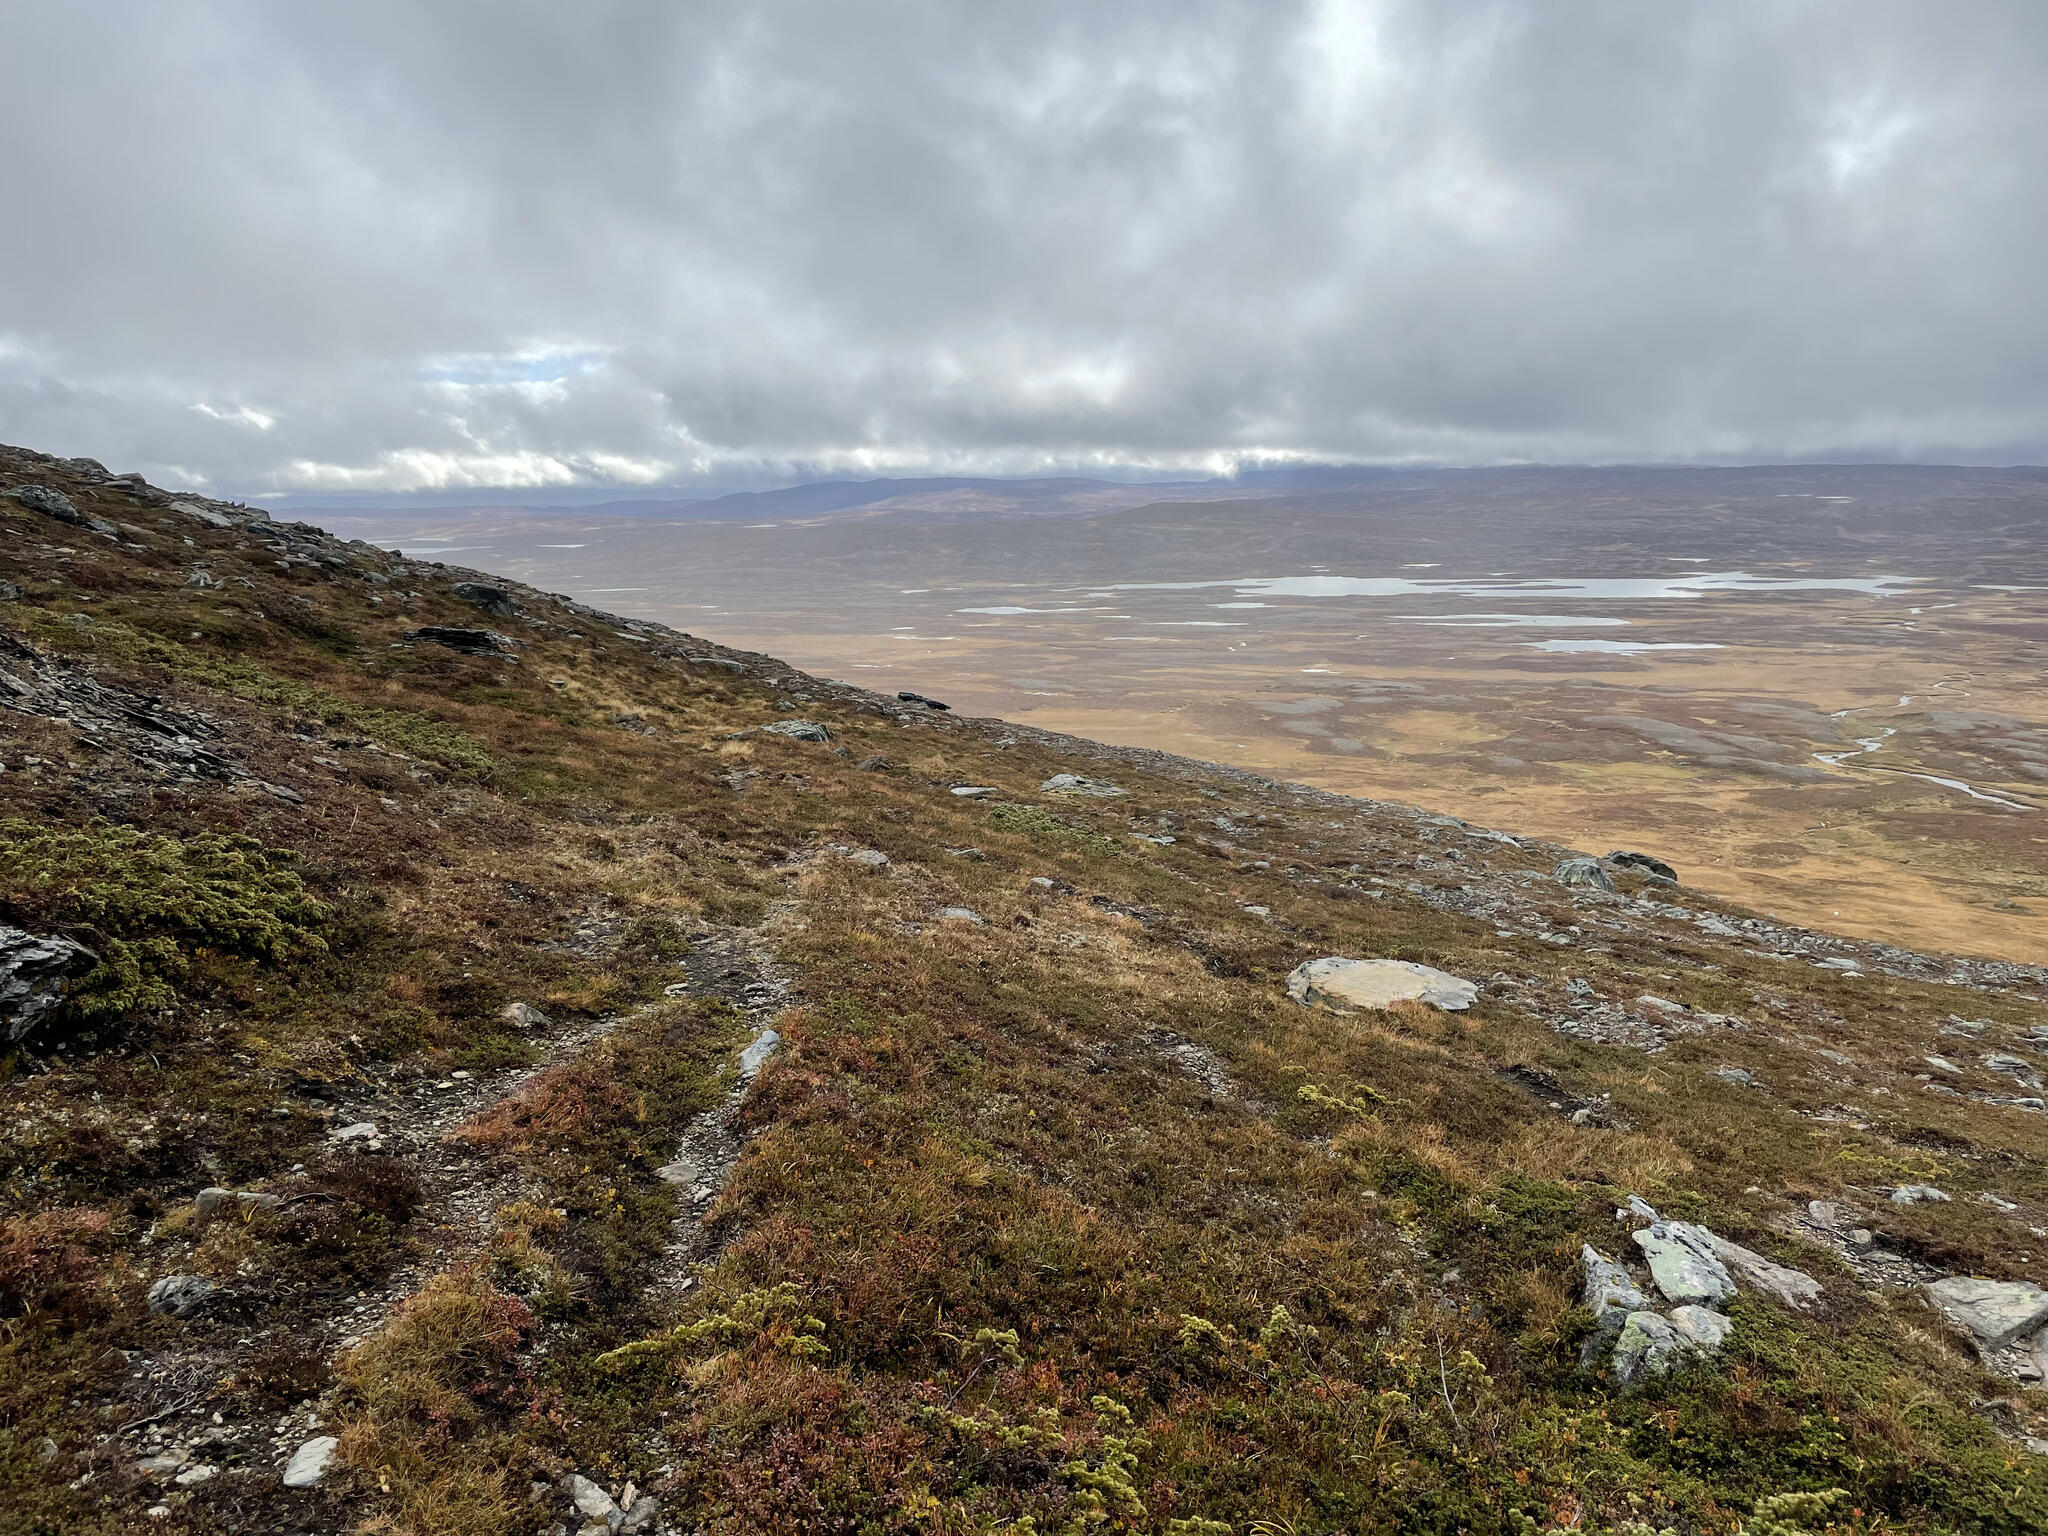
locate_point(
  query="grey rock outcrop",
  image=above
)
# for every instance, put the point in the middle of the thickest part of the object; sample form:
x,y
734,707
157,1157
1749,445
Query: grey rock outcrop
x,y
799,730
40,498
36,975
1994,1313
1683,1264
1643,863
1790,1287
180,1295
495,601
1079,784
470,642
1583,874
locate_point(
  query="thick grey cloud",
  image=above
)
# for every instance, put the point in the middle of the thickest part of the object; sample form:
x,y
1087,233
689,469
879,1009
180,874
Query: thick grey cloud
x,y
389,246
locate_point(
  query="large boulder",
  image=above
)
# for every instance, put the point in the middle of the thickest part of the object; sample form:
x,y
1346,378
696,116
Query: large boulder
x,y
40,498
1683,1264
1343,985
36,974
495,601
1583,875
1994,1313
1643,864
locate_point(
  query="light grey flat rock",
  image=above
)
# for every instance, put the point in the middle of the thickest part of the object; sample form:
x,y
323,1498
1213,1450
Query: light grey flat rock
x,y
1344,984
1993,1312
309,1462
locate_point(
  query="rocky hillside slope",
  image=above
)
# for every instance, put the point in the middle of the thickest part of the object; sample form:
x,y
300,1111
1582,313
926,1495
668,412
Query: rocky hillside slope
x,y
479,1065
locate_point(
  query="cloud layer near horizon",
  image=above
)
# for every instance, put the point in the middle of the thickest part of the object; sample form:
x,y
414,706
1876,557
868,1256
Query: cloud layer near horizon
x,y
386,247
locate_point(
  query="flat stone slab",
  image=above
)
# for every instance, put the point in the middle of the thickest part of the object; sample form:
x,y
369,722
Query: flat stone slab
x,y
1993,1312
1793,1288
309,1462
1344,984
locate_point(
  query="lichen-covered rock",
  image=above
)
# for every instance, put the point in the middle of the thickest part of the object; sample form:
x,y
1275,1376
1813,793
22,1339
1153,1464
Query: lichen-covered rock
x,y
1702,1328
40,498
36,974
1648,1346
1683,1264
1583,874
1993,1312
1611,1295
1344,984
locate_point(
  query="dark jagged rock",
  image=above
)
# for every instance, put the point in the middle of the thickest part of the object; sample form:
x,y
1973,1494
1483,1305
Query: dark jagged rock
x,y
495,601
471,642
1643,863
36,973
918,698
40,498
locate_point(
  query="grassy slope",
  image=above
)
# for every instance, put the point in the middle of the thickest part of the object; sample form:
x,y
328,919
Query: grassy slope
x,y
989,1257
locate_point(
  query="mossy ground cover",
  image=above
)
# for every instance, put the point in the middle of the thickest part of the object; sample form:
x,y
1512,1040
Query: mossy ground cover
x,y
990,1260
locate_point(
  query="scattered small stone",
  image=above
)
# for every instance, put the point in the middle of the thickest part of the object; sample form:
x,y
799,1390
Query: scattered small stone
x,y
918,698
591,1501
870,859
1736,1075
362,1130
962,915
309,1462
193,1476
756,1055
523,1016
972,855
1342,984
874,765
973,791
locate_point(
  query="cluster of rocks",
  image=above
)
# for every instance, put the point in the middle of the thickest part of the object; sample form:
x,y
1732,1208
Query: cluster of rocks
x,y
600,1513
1694,1271
2006,1321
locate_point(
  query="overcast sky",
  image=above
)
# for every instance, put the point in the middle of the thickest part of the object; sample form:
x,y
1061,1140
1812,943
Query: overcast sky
x,y
365,246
